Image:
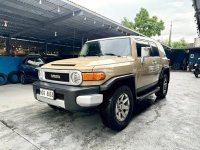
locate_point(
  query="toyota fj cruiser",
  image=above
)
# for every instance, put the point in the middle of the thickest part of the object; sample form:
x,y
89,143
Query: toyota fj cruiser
x,y
111,74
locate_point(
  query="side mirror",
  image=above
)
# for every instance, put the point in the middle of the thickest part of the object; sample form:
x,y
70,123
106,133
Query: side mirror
x,y
30,62
145,52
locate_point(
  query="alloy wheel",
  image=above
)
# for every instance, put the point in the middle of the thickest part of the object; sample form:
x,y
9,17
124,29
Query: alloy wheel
x,y
122,107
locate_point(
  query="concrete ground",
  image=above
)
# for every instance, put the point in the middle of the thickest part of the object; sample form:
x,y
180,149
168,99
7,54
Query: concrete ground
x,y
171,123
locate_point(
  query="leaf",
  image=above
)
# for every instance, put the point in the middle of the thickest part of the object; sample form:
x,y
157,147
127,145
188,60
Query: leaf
x,y
143,23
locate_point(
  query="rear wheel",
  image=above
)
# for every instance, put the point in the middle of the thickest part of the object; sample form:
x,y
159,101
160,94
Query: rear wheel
x,y
163,84
196,73
116,113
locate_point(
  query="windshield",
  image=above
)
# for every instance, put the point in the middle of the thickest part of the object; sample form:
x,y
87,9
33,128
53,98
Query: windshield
x,y
113,47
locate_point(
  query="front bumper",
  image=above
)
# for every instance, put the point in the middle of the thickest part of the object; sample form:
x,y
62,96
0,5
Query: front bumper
x,y
71,98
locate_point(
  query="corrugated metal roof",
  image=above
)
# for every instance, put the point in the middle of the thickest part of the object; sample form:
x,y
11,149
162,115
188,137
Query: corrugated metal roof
x,y
40,19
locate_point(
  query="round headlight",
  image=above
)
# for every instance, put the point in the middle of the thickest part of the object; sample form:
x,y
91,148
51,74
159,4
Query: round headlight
x,y
40,74
76,77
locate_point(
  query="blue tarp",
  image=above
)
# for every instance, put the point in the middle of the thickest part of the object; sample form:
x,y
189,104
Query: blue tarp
x,y
9,63
196,54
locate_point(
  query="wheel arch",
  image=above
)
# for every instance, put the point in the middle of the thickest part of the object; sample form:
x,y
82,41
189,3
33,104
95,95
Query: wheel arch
x,y
165,70
112,84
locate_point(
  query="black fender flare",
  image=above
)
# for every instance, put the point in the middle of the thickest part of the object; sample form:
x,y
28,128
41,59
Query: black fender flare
x,y
109,83
164,70
10,77
5,79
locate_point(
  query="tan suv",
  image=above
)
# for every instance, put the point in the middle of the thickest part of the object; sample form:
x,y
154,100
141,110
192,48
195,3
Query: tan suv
x,y
111,74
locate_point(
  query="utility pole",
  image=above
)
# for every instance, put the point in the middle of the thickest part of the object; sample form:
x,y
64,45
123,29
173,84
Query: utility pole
x,y
170,35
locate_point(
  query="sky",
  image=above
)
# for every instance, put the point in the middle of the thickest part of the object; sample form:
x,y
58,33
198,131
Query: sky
x,y
179,12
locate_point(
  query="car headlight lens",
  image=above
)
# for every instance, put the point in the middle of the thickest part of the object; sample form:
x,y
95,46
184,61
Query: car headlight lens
x,y
93,76
76,77
40,74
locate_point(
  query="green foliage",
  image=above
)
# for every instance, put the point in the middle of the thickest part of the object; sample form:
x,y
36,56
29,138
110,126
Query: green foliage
x,y
149,26
165,42
180,44
127,23
176,44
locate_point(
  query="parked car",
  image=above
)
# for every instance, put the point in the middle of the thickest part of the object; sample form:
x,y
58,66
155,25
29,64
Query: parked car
x,y
28,68
111,74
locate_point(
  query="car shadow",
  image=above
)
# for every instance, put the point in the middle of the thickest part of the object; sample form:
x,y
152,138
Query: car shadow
x,y
90,119
139,108
142,106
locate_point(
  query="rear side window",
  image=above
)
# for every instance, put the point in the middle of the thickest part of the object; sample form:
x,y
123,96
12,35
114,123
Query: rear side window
x,y
139,46
154,50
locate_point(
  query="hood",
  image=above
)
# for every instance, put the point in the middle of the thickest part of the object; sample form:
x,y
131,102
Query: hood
x,y
77,63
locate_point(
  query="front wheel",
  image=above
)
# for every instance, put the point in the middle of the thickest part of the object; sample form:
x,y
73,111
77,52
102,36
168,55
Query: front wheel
x,y
163,84
117,111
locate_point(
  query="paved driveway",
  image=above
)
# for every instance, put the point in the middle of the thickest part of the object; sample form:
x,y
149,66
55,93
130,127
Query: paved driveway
x,y
171,123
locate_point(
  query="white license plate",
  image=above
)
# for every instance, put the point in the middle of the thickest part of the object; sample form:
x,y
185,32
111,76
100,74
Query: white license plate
x,y
47,93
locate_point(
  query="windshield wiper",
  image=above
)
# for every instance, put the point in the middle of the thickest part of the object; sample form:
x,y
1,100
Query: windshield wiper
x,y
111,54
90,55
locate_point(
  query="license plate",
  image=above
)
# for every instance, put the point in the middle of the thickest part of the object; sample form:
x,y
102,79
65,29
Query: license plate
x,y
47,93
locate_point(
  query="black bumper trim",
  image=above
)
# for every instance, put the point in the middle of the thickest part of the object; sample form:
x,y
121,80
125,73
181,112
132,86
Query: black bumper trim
x,y
70,93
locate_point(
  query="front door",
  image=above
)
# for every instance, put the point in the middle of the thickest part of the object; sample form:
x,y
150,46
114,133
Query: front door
x,y
149,70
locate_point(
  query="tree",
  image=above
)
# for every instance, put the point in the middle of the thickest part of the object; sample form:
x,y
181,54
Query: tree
x,y
127,23
176,44
149,26
165,42
180,44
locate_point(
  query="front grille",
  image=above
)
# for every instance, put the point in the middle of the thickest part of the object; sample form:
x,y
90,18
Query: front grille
x,y
63,77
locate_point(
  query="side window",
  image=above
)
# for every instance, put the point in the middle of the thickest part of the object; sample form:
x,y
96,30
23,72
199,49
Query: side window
x,y
154,50
139,46
24,61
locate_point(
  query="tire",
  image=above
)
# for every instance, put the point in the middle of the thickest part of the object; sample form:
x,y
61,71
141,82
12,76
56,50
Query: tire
x,y
11,75
3,79
163,84
22,78
111,112
56,108
196,73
